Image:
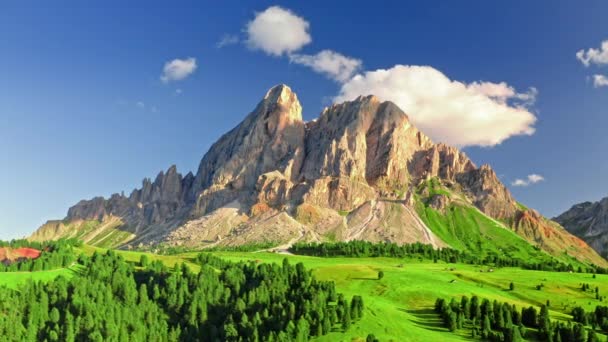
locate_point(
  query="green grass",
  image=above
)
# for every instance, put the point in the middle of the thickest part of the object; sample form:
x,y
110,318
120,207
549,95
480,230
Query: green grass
x,y
14,280
399,307
134,256
465,228
433,187
110,238
343,212
521,206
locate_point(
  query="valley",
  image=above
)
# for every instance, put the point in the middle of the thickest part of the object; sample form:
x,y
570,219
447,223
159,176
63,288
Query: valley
x,y
398,307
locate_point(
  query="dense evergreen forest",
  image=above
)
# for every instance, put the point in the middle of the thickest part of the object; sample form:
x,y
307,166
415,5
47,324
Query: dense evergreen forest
x,y
428,252
494,321
54,254
112,300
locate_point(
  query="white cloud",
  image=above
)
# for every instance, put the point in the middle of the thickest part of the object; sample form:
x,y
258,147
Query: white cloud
x,y
228,39
502,93
519,182
600,81
531,179
479,113
140,104
277,31
178,69
178,91
594,56
330,63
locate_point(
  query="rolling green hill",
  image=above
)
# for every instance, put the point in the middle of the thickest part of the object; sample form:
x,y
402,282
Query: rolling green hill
x,y
399,306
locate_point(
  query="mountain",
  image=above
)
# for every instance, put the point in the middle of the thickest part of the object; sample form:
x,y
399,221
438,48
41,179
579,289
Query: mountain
x,y
589,221
359,171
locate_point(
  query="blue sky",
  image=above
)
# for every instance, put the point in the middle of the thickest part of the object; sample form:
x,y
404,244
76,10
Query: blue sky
x,y
84,111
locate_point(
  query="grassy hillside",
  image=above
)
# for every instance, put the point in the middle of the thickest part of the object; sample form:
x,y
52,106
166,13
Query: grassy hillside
x,y
14,279
466,228
108,233
462,226
399,306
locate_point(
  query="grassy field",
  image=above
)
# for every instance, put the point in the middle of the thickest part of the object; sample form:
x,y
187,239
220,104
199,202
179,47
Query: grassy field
x,y
399,306
15,279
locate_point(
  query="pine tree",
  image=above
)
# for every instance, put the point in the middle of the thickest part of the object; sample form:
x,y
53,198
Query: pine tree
x,y
346,320
485,327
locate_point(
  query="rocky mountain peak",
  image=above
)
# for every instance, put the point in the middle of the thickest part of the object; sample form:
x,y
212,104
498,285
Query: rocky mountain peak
x,y
589,221
274,177
487,192
283,97
270,138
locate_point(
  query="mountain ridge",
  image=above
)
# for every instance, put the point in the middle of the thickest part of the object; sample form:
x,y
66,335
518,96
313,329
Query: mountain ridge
x,y
354,172
589,221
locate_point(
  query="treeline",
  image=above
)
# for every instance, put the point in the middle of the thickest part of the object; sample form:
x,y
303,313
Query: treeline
x,y
251,247
54,254
39,245
424,251
495,321
598,319
164,249
113,301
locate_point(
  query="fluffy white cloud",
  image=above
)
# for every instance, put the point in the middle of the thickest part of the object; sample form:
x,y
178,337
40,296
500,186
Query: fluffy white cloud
x,y
502,92
227,39
600,81
531,179
330,63
479,113
594,56
178,69
277,31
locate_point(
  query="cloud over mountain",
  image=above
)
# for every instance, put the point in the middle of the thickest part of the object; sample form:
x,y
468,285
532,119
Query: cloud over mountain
x,y
330,63
277,31
479,113
531,179
457,113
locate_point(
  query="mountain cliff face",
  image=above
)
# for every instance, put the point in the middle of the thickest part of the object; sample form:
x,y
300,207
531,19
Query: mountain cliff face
x,y
589,221
359,171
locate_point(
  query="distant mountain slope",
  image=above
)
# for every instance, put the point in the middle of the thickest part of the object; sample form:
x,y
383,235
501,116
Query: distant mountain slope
x,y
359,171
589,221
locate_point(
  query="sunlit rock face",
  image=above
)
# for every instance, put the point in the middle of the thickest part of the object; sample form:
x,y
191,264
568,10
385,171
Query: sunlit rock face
x,y
354,172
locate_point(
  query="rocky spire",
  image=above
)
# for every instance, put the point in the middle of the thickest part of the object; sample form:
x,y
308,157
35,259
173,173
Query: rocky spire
x,y
270,138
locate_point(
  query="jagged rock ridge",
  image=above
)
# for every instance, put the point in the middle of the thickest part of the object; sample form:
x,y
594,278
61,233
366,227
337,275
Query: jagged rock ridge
x,y
589,221
350,174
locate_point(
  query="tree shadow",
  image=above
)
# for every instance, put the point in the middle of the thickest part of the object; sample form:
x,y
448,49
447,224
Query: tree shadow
x,y
427,319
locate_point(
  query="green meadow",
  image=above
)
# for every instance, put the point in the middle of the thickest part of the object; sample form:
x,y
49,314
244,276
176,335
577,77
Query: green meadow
x,y
399,307
14,279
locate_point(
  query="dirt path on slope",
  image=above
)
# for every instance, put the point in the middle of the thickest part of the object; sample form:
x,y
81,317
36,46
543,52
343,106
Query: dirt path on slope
x,y
428,234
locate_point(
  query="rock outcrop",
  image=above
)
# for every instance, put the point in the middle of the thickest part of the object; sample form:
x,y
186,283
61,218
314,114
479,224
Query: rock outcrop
x,y
270,139
354,172
589,221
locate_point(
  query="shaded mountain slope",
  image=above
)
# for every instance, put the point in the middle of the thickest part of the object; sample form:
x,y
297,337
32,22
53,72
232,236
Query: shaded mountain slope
x,y
589,221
